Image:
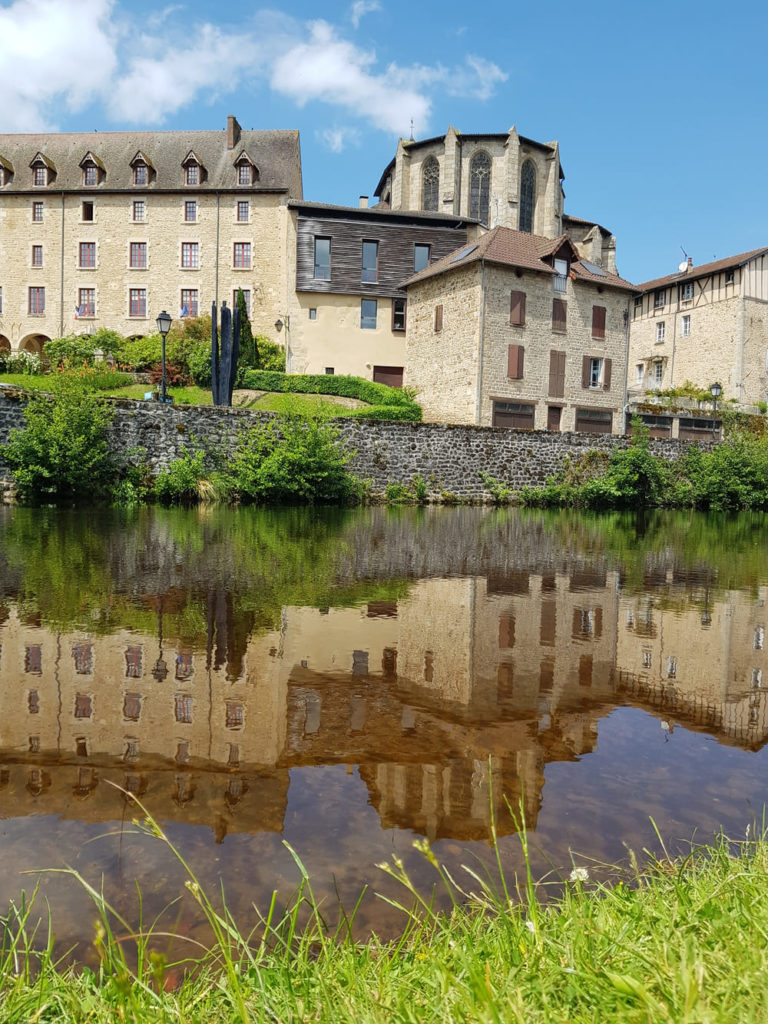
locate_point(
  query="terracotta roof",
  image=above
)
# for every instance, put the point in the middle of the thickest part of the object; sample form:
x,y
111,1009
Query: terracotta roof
x,y
275,153
703,271
517,249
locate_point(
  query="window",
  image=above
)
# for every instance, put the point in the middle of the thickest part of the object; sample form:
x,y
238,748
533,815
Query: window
x,y
185,666
37,212
183,708
368,309
137,304
438,318
559,315
90,175
138,255
87,254
33,702
139,211
189,303
190,255
513,415
33,658
37,255
242,258
593,421
660,331
639,372
517,309
430,184
421,255
313,314
133,662
595,372
480,187
246,295
671,668
659,298
658,372
132,707
515,359
322,259
36,301
190,211
638,307
686,327
527,196
83,705
86,302
243,211
244,176
192,174
39,174
758,641
329,371
561,275
234,714
556,374
686,292
398,314
86,212
598,321
140,174
370,265
729,276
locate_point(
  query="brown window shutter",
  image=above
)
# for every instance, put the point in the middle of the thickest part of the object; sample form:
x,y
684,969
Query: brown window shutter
x,y
585,364
439,317
559,308
517,309
515,357
556,374
598,321
606,374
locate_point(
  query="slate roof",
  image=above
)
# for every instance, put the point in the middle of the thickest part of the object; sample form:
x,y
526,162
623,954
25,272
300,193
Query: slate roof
x,y
381,211
729,263
276,154
521,250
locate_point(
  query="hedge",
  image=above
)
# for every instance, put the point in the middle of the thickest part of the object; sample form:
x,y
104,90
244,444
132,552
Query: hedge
x,y
384,402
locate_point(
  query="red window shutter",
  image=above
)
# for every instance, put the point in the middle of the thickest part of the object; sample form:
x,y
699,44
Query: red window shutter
x,y
585,367
515,358
606,374
517,309
439,317
556,374
559,308
598,321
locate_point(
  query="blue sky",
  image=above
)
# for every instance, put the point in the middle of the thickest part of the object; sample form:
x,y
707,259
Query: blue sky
x,y
658,108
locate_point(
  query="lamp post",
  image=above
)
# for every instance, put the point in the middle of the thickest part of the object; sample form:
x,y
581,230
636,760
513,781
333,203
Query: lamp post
x,y
715,390
279,324
163,326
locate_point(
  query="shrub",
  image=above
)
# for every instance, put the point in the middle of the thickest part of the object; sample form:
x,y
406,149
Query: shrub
x,y
500,493
199,363
377,395
28,363
80,349
140,354
180,484
271,354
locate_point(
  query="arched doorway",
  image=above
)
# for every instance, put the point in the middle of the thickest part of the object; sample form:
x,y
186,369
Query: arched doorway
x,y
34,343
5,344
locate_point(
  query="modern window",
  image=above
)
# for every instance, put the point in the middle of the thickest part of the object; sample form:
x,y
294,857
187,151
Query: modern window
x,y
242,256
133,662
86,302
90,175
368,310
139,211
192,174
189,302
137,302
561,275
685,328
559,316
398,314
37,212
86,211
37,255
244,174
322,259
686,292
190,211
517,309
183,708
140,175
243,211
660,332
729,276
421,254
36,301
438,318
246,296
638,307
190,255
39,174
138,255
659,298
598,321
527,195
480,187
430,185
87,254
370,263
313,314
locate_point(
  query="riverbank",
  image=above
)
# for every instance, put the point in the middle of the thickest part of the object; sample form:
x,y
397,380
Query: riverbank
x,y
680,940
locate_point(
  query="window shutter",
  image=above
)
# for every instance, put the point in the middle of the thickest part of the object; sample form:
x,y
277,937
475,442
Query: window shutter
x,y
556,374
585,365
559,307
606,374
598,321
439,317
517,309
515,359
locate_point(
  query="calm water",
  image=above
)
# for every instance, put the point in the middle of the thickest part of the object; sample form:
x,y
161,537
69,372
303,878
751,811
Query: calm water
x,y
347,682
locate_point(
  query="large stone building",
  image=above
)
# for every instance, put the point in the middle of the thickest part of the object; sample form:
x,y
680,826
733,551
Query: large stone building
x,y
517,330
108,229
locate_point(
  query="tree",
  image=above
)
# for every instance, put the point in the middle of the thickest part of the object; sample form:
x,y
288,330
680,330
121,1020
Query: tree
x,y
249,350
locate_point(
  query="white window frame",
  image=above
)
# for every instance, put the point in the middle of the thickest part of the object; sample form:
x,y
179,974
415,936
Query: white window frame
x,y
687,292
661,330
596,367
685,327
561,275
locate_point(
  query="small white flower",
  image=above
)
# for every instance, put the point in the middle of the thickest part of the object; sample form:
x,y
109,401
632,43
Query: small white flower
x,y
579,875
530,926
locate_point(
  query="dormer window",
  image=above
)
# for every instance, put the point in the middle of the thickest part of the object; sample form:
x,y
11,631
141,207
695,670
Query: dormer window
x,y
90,175
193,174
39,174
140,174
244,174
245,169
561,275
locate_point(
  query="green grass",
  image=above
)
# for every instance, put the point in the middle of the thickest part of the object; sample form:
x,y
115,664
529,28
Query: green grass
x,y
678,941
299,405
25,381
188,396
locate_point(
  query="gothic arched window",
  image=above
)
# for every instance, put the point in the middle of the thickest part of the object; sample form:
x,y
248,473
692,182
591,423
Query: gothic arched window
x,y
430,183
480,186
527,196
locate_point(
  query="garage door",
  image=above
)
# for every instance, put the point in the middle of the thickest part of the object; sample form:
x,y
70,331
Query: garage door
x,y
516,415
392,375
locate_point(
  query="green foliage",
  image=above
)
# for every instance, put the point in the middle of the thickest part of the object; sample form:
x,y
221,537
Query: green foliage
x,y
140,354
415,493
686,390
199,363
249,349
380,396
62,456
180,484
80,349
500,493
26,363
271,354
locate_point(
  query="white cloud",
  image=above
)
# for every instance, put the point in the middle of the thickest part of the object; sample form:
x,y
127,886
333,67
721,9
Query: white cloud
x,y
338,139
362,7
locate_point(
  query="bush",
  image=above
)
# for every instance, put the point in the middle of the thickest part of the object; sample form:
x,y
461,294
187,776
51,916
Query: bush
x,y
199,363
180,484
28,363
380,396
271,354
140,354
80,349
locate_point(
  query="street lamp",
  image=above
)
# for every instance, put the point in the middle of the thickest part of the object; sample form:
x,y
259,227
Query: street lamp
x,y
715,390
279,324
163,326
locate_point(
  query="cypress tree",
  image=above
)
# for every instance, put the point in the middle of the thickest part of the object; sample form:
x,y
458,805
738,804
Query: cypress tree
x,y
249,350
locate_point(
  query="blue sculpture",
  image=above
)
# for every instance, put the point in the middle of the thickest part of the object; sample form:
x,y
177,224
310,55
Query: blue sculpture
x,y
224,359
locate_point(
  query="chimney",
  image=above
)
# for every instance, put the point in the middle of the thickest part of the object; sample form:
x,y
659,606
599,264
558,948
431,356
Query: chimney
x,y
363,202
690,263
233,132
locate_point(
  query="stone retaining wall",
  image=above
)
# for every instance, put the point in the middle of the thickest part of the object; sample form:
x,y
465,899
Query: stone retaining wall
x,y
449,458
